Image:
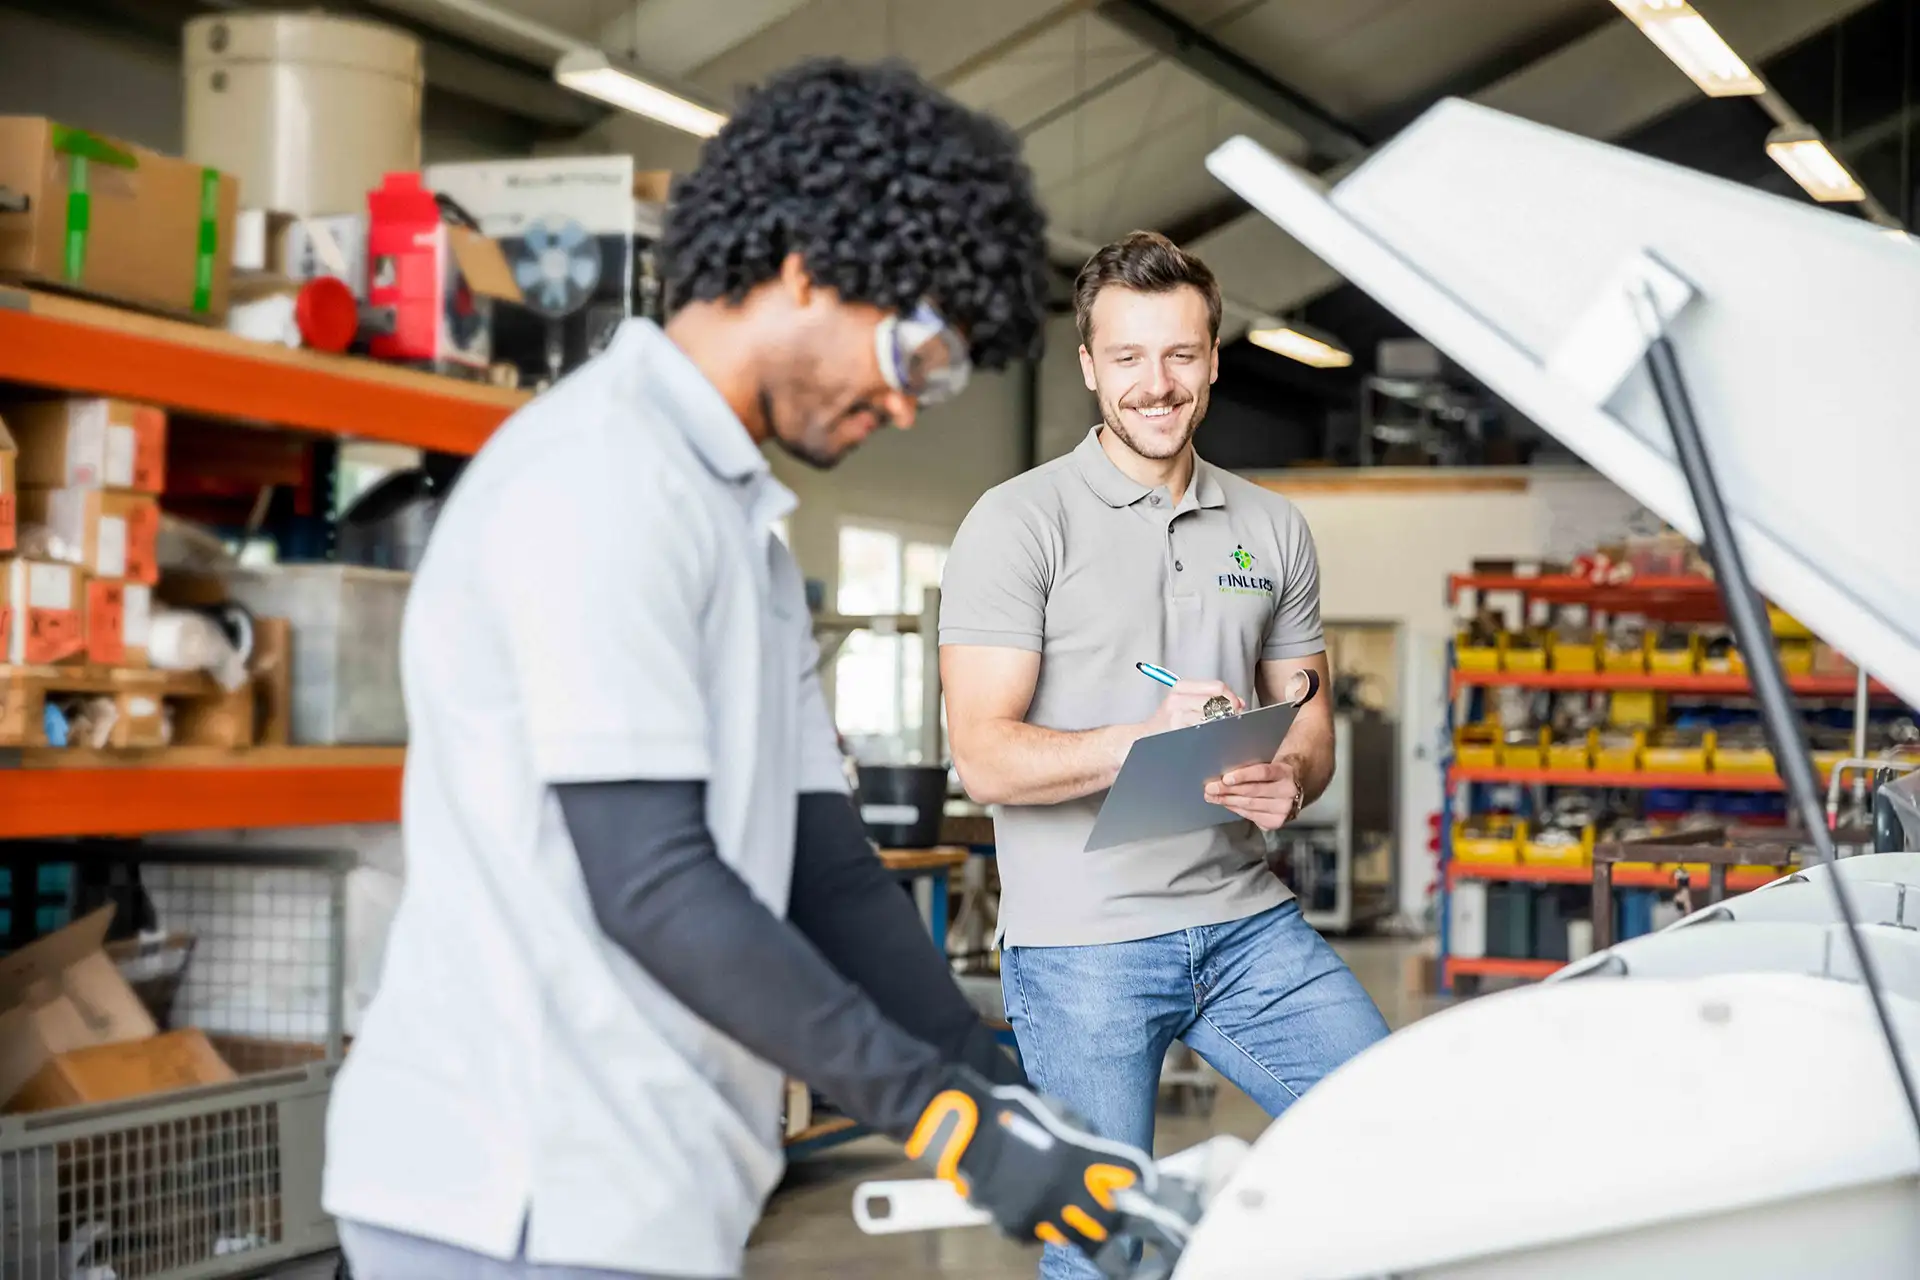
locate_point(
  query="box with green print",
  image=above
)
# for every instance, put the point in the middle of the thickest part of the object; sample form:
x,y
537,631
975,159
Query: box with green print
x,y
99,216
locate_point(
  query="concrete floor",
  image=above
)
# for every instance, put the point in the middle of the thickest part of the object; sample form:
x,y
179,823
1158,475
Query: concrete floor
x,y
808,1230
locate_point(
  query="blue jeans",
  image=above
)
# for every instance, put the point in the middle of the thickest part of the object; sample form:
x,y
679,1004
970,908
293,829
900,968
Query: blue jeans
x,y
1264,1000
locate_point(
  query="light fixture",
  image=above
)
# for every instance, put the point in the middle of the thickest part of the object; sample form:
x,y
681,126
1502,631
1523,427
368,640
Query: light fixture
x,y
591,72
1679,31
1805,157
1295,342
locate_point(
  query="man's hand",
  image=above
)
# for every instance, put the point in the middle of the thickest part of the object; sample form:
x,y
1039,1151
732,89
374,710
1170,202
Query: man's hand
x,y
1041,1174
1267,795
1185,704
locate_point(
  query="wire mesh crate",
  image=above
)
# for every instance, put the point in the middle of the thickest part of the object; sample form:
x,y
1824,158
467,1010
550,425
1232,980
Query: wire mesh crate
x,y
218,1179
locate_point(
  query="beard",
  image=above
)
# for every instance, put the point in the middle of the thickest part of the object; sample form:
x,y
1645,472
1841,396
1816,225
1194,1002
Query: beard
x,y
1156,448
814,443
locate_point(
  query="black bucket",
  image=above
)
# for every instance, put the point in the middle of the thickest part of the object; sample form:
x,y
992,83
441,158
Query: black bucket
x,y
902,804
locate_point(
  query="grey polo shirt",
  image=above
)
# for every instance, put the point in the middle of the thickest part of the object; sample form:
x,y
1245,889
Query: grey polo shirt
x,y
1096,573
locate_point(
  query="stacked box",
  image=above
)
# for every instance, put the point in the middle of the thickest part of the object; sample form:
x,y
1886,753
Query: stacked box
x,y
91,470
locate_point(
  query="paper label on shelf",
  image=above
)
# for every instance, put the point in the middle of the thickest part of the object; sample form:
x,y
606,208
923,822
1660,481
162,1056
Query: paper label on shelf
x,y
149,449
86,442
889,814
143,543
110,547
121,448
106,622
9,521
9,650
136,612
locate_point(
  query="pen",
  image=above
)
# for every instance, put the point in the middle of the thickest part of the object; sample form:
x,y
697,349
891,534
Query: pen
x,y
1160,674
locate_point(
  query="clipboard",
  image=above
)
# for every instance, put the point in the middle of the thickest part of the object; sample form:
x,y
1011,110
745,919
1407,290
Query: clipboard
x,y
1161,787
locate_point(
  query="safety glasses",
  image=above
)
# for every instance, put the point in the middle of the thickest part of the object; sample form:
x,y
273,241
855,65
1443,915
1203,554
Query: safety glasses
x,y
922,356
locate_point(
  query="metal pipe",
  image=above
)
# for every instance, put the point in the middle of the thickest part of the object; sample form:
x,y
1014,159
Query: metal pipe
x,y
1754,637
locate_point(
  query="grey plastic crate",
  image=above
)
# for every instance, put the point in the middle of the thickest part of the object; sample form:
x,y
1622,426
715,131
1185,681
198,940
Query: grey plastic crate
x,y
346,647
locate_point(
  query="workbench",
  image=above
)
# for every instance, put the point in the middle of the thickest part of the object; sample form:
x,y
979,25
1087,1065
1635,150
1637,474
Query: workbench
x,y
927,871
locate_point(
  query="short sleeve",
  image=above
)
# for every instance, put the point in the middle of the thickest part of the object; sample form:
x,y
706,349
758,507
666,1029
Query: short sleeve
x,y
1295,630
993,591
820,762
600,603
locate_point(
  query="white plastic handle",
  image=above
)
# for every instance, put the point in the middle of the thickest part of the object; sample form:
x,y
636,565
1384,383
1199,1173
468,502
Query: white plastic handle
x,y
918,1204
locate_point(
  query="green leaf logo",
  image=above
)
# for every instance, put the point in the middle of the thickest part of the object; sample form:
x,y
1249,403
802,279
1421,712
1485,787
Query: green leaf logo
x,y
1243,558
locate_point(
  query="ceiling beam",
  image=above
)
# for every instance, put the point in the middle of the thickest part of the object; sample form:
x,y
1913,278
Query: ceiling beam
x,y
1330,138
1014,41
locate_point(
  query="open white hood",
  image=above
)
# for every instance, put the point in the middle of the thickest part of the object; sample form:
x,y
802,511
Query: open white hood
x,y
1511,246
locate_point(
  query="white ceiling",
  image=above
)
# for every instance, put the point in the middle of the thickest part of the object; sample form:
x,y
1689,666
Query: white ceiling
x,y
1117,133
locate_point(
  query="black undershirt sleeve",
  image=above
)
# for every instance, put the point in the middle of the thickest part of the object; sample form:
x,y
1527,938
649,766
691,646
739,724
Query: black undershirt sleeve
x,y
660,890
865,924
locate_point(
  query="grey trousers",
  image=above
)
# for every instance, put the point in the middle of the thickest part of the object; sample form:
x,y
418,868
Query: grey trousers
x,y
375,1253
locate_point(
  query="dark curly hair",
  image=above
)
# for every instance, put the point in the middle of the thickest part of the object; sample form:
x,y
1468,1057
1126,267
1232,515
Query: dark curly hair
x,y
889,190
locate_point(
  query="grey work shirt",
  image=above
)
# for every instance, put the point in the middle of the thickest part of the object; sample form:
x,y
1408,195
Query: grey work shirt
x,y
1097,572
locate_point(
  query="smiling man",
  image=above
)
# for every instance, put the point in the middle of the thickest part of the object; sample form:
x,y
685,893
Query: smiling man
x,y
1133,549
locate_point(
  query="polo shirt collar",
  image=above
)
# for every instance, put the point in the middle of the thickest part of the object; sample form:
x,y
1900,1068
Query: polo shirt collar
x,y
1117,489
695,406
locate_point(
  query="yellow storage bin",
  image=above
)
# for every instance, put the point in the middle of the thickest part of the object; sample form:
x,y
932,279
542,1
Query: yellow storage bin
x,y
1825,762
1468,656
1742,759
1553,853
1492,840
1682,661
1579,656
1527,753
1635,709
1786,625
1572,753
1796,657
1524,652
1625,661
1677,751
1477,746
1619,752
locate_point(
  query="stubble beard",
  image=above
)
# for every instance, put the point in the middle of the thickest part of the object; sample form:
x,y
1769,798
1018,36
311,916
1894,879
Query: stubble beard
x,y
1154,449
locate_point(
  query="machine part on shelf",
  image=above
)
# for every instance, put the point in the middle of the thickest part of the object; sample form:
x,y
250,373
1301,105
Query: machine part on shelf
x,y
387,526
307,110
1864,766
327,314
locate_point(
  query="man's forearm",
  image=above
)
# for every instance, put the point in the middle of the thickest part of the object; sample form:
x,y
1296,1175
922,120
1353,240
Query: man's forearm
x,y
1309,745
1011,762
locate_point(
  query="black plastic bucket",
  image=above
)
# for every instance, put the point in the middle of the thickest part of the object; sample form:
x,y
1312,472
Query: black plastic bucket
x,y
902,804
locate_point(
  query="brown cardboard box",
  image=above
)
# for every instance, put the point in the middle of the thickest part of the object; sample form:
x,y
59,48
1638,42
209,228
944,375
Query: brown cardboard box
x,y
145,229
63,993
110,535
130,1069
42,607
118,615
8,488
90,443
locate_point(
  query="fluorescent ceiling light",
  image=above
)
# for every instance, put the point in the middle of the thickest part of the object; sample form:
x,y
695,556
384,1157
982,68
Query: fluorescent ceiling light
x,y
1808,162
1296,344
1694,46
591,72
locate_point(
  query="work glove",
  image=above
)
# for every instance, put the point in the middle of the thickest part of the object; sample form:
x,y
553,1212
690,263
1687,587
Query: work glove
x,y
1041,1173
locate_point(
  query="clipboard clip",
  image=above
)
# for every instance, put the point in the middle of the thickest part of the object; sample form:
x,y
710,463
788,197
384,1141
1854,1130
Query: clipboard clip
x,y
1219,708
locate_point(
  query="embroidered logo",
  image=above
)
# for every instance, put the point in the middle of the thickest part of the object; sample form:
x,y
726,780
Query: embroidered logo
x,y
1241,582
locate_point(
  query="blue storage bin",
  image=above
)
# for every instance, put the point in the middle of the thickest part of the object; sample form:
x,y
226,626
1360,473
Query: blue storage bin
x,y
55,879
1632,914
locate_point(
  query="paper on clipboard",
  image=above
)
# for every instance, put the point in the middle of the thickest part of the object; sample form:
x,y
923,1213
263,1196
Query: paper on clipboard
x,y
1161,788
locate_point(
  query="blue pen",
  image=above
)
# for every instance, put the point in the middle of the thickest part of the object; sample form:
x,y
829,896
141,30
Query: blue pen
x,y
1160,674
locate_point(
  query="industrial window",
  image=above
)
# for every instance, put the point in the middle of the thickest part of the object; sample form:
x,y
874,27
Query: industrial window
x,y
878,678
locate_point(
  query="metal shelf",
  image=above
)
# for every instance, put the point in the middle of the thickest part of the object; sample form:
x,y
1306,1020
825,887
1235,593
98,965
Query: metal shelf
x,y
1495,967
1702,684
52,341
1639,779
1738,878
125,793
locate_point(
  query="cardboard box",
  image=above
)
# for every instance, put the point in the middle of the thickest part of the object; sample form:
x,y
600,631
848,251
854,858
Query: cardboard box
x,y
8,489
109,1072
41,612
108,218
439,280
110,535
90,443
118,617
60,994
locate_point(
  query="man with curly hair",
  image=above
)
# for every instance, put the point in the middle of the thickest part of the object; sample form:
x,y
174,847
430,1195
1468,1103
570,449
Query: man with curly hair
x,y
637,893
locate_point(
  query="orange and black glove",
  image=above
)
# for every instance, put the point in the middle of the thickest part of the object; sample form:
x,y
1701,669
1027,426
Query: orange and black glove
x,y
1041,1173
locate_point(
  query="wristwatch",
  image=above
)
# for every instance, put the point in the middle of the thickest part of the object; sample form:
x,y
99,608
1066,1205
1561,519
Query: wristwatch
x,y
1217,707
